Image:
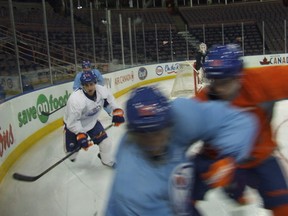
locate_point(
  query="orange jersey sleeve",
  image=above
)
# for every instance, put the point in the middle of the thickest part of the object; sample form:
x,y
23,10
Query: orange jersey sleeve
x,y
263,85
259,86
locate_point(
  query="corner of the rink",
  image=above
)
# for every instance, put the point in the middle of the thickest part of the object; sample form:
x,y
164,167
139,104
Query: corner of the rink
x,y
26,144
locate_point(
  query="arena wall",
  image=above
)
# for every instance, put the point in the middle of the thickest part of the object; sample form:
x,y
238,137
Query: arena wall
x,y
23,123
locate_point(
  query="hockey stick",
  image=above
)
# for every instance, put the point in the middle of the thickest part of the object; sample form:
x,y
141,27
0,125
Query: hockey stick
x,y
109,126
47,113
27,178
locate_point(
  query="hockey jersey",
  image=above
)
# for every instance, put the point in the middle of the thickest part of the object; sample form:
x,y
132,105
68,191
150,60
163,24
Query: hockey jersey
x,y
261,88
142,187
79,107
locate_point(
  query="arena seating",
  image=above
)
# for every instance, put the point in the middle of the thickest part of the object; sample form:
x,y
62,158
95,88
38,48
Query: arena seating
x,y
222,24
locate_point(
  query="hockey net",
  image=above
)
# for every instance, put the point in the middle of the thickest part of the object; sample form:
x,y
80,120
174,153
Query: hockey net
x,y
188,80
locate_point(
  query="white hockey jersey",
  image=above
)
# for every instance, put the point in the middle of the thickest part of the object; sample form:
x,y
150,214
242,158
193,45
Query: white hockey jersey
x,y
81,113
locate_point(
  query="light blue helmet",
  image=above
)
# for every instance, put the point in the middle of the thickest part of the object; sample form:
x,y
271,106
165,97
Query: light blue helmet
x,y
148,110
223,61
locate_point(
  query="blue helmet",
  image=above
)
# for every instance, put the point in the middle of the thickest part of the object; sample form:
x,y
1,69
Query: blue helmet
x,y
86,64
223,62
148,110
87,77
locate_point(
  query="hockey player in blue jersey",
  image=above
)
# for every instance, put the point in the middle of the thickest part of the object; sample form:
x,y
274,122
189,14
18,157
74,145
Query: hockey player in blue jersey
x,y
153,176
86,66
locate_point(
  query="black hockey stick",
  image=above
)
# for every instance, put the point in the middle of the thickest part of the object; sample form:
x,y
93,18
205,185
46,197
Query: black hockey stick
x,y
47,113
109,126
27,178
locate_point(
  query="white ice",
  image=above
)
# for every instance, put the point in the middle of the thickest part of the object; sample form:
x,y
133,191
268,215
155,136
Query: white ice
x,y
81,188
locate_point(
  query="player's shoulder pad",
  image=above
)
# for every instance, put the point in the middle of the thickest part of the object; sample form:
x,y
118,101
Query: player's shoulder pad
x,y
186,104
102,90
78,89
186,109
211,109
77,96
96,72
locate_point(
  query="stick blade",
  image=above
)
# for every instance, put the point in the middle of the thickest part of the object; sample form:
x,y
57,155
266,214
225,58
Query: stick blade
x,y
45,113
25,178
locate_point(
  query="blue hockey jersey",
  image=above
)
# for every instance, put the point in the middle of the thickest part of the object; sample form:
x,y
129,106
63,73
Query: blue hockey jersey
x,y
141,186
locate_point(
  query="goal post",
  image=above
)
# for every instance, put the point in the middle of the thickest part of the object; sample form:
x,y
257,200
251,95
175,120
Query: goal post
x,y
188,80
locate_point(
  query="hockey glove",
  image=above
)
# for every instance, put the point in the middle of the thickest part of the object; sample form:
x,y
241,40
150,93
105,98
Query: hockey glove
x,y
83,141
220,173
118,117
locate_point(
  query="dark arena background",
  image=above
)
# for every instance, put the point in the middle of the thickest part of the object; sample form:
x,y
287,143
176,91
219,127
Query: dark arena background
x,y
43,43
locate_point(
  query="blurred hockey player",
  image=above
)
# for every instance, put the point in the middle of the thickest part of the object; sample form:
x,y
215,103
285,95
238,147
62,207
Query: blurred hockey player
x,y
86,66
199,60
81,118
152,176
256,90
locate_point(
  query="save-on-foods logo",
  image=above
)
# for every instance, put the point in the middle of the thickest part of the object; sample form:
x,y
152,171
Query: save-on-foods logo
x,y
43,104
159,70
142,73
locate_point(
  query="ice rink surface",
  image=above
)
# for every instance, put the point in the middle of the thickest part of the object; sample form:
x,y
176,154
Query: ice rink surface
x,y
81,188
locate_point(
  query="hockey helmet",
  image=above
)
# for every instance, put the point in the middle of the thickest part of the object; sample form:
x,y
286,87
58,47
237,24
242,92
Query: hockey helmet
x,y
87,77
148,110
203,48
86,64
223,61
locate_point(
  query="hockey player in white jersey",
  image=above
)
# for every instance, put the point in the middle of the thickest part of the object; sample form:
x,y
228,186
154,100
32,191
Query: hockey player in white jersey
x,y
153,177
81,118
86,66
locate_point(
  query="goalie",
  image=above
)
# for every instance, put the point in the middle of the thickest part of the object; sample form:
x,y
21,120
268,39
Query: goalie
x,y
200,60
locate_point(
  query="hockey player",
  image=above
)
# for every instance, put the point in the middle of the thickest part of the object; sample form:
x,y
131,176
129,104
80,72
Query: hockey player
x,y
86,66
150,155
81,118
200,56
199,60
255,90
